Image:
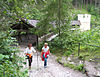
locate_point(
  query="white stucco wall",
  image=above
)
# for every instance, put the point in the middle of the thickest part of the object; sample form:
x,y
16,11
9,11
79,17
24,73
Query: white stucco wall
x,y
85,20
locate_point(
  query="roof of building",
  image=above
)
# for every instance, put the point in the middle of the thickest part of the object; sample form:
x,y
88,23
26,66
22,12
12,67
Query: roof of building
x,y
75,22
32,22
24,24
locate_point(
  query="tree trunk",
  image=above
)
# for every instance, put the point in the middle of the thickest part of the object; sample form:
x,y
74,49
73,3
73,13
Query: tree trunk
x,y
81,4
99,6
59,16
90,2
95,3
86,4
76,3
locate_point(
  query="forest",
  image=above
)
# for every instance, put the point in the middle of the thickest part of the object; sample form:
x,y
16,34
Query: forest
x,y
55,17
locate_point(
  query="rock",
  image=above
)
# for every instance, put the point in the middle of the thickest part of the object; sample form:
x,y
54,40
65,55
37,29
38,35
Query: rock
x,y
91,60
69,59
72,63
98,74
80,62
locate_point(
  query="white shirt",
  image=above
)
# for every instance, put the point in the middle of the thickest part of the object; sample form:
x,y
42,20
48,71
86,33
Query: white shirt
x,y
45,49
29,51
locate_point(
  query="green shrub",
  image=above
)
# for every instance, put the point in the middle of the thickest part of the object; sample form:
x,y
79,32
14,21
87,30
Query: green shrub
x,y
41,44
80,57
79,67
72,66
8,59
58,59
67,53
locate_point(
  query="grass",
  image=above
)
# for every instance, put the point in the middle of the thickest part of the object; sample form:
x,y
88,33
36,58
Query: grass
x,y
72,66
84,51
88,53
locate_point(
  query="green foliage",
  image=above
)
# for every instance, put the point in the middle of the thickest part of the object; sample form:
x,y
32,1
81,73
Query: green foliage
x,y
72,66
47,12
1,56
75,12
10,10
81,57
5,43
70,40
40,46
69,65
58,59
93,10
55,14
79,67
8,59
67,53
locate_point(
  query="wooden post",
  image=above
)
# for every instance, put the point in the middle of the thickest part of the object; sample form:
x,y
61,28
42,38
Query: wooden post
x,y
83,64
19,37
79,49
37,61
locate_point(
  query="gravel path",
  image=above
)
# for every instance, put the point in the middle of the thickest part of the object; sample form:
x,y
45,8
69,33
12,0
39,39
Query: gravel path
x,y
53,69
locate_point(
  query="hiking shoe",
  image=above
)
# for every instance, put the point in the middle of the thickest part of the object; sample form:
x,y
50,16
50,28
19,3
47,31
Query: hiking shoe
x,y
45,66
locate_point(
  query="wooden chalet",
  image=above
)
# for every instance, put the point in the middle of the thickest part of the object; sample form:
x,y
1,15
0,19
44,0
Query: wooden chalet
x,y
24,26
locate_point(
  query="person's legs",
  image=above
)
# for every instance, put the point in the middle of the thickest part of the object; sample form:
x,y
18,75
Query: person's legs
x,y
30,61
45,61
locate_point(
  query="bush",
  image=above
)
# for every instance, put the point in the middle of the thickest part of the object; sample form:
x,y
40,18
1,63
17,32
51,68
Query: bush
x,y
72,66
67,53
80,57
79,67
69,65
59,59
8,59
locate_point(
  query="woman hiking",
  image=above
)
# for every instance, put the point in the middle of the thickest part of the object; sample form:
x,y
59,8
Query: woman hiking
x,y
29,53
45,53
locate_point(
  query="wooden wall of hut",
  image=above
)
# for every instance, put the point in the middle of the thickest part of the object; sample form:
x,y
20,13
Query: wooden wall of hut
x,y
25,39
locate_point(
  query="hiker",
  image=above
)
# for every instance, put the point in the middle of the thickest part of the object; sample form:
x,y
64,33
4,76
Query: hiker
x,y
29,53
45,53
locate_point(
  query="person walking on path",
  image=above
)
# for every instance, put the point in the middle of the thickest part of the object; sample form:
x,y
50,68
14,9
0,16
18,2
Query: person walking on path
x,y
29,53
45,53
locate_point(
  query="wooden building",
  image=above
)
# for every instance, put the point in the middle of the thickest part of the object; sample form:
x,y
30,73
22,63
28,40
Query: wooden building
x,y
24,25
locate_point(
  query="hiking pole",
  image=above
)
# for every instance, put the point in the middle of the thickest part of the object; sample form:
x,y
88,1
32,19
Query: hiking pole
x,y
37,50
37,60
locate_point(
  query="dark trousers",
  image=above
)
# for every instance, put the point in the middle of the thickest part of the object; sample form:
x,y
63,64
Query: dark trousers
x,y
45,60
29,60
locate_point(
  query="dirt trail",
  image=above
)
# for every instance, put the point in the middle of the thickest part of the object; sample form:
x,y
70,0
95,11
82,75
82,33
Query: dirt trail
x,y
53,69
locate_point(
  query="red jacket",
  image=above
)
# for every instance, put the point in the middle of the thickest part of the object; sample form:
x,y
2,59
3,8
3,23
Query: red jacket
x,y
46,53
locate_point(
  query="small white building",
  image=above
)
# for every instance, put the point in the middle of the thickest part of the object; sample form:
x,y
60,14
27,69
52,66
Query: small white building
x,y
85,20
